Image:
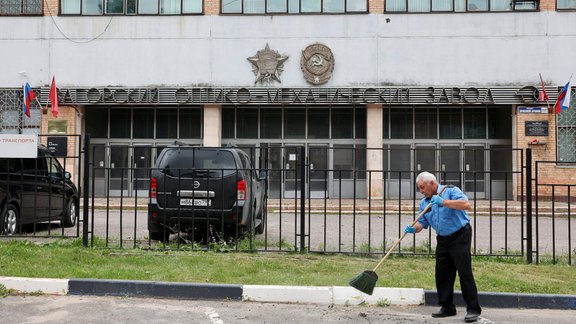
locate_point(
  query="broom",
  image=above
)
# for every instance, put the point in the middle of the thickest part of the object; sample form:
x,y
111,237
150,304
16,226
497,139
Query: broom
x,y
366,281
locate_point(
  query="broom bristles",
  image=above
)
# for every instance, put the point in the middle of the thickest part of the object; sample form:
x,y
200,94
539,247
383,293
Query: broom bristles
x,y
365,281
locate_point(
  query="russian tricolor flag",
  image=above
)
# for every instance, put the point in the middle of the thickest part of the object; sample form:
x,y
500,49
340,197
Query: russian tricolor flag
x,y
29,95
563,101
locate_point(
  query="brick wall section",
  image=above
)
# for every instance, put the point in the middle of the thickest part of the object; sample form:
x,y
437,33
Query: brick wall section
x,y
546,5
376,6
69,114
547,173
51,6
211,7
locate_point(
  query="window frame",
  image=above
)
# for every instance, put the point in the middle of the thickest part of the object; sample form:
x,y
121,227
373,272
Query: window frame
x,y
563,9
300,12
512,2
125,13
22,13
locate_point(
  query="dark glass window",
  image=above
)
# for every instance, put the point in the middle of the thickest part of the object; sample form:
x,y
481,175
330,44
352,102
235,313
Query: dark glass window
x,y
425,123
443,6
128,7
144,119
475,122
360,121
166,123
270,123
294,122
20,7
292,6
120,121
342,122
190,123
401,123
400,162
97,122
247,123
318,123
343,161
450,123
499,123
385,122
228,122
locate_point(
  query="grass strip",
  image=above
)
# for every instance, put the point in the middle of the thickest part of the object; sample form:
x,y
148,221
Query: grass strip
x,y
67,259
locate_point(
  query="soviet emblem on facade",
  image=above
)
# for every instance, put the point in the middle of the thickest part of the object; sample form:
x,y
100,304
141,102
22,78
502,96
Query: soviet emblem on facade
x,y
267,65
317,63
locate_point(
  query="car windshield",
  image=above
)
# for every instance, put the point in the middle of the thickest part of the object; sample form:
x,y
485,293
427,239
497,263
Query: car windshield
x,y
197,163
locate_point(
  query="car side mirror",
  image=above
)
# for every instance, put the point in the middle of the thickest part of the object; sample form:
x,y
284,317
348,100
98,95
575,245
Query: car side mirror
x,y
263,175
67,175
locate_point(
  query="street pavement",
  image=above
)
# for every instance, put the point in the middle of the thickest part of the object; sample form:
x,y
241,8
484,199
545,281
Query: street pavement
x,y
107,309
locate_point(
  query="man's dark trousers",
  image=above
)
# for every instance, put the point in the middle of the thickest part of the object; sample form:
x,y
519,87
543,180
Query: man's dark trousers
x,y
453,254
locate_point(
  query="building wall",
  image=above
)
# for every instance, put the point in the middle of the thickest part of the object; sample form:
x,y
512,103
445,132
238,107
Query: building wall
x,y
544,149
433,49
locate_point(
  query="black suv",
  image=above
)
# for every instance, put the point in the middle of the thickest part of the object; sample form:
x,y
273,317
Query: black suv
x,y
195,187
35,190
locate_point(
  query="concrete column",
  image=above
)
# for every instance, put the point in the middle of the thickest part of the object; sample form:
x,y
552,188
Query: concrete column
x,y
212,125
374,150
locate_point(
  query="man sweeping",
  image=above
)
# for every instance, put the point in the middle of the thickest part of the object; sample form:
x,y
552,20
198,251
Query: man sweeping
x,y
449,219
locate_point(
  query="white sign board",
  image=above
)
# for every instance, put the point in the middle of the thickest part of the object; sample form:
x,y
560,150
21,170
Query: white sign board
x,y
18,146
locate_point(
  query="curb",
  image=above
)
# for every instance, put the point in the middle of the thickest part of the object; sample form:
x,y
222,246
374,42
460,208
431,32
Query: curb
x,y
510,300
276,294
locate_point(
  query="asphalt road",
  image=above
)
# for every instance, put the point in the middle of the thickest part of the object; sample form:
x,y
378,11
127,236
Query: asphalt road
x,y
89,309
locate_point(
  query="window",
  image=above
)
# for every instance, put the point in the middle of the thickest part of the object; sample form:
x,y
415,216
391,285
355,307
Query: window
x,y
461,5
260,7
20,7
567,134
130,7
566,5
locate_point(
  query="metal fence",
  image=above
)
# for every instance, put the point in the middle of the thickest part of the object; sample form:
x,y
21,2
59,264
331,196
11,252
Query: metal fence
x,y
307,204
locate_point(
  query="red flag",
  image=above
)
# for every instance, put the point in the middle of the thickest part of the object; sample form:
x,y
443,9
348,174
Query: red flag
x,y
543,96
54,97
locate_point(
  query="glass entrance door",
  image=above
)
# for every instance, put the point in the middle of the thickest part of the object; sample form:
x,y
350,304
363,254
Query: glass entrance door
x,y
118,175
474,167
425,160
318,166
292,173
450,165
141,161
271,160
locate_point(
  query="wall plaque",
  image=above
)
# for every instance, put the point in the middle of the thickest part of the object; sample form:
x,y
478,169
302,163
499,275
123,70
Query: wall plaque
x,y
58,145
536,128
317,63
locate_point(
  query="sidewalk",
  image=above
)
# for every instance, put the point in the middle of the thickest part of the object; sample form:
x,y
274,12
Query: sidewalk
x,y
277,294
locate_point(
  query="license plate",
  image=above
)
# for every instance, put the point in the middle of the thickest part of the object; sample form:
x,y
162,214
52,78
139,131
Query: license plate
x,y
195,202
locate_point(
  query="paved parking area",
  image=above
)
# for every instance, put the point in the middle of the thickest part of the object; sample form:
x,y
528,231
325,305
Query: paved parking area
x,y
89,309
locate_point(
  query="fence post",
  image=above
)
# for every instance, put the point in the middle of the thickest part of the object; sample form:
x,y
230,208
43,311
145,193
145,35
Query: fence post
x,y
85,189
529,205
302,198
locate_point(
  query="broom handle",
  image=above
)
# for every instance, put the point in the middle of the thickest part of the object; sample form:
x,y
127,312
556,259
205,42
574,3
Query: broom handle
x,y
402,237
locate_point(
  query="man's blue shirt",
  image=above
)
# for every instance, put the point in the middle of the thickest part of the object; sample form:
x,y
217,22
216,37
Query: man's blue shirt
x,y
443,220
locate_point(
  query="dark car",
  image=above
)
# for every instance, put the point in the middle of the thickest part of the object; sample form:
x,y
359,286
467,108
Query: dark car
x,y
35,190
196,187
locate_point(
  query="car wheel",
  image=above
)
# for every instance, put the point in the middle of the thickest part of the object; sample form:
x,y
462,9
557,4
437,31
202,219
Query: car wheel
x,y
69,215
162,236
10,220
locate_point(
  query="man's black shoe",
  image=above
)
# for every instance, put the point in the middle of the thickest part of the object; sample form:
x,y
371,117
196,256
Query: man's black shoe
x,y
444,313
471,317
